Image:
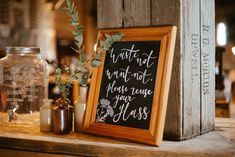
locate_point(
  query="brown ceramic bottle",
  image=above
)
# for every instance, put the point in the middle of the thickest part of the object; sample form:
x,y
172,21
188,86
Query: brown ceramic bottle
x,y
61,121
70,114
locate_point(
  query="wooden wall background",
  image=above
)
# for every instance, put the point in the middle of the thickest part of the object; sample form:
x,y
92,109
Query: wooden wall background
x,y
191,102
18,22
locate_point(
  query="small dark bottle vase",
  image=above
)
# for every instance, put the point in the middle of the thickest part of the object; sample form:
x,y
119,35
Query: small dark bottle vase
x,y
61,117
70,114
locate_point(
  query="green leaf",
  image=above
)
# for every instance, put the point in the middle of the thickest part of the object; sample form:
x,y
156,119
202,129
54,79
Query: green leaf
x,y
98,56
84,81
95,63
107,35
79,29
71,22
71,8
79,63
83,57
68,3
75,16
117,37
99,50
71,78
110,39
74,33
79,74
84,70
79,38
78,44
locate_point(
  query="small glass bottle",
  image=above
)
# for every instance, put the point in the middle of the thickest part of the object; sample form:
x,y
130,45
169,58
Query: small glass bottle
x,y
61,122
80,109
46,122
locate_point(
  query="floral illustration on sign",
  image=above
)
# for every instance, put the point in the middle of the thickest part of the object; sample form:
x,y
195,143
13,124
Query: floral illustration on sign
x,y
105,110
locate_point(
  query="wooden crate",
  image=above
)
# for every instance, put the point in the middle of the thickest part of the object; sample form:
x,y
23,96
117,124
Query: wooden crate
x,y
191,104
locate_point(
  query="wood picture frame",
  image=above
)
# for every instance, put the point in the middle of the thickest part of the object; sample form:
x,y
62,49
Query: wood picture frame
x,y
153,132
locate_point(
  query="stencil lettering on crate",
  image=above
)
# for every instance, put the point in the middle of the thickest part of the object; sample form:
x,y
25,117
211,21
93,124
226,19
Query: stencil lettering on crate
x,y
205,59
195,43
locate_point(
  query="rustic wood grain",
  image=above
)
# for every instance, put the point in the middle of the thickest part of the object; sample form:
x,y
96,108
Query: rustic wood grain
x,y
109,13
187,112
190,40
207,65
182,119
171,16
165,12
219,143
22,153
136,13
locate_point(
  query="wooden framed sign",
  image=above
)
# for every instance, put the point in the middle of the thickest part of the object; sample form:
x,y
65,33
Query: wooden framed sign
x,y
129,92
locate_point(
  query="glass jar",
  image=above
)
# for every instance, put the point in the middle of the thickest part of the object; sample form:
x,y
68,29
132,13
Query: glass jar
x,y
46,121
22,80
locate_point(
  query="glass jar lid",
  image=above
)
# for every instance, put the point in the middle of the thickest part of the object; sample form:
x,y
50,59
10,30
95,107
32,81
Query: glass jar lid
x,y
22,50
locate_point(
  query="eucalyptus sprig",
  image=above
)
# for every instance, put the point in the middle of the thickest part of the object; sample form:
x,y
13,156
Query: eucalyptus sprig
x,y
64,86
74,21
107,43
83,72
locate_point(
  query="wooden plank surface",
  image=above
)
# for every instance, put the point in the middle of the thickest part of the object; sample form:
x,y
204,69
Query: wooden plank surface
x,y
171,16
190,47
136,13
109,13
25,135
22,153
207,65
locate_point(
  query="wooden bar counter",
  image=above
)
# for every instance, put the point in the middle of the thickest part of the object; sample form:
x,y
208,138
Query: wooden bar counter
x,y
23,138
